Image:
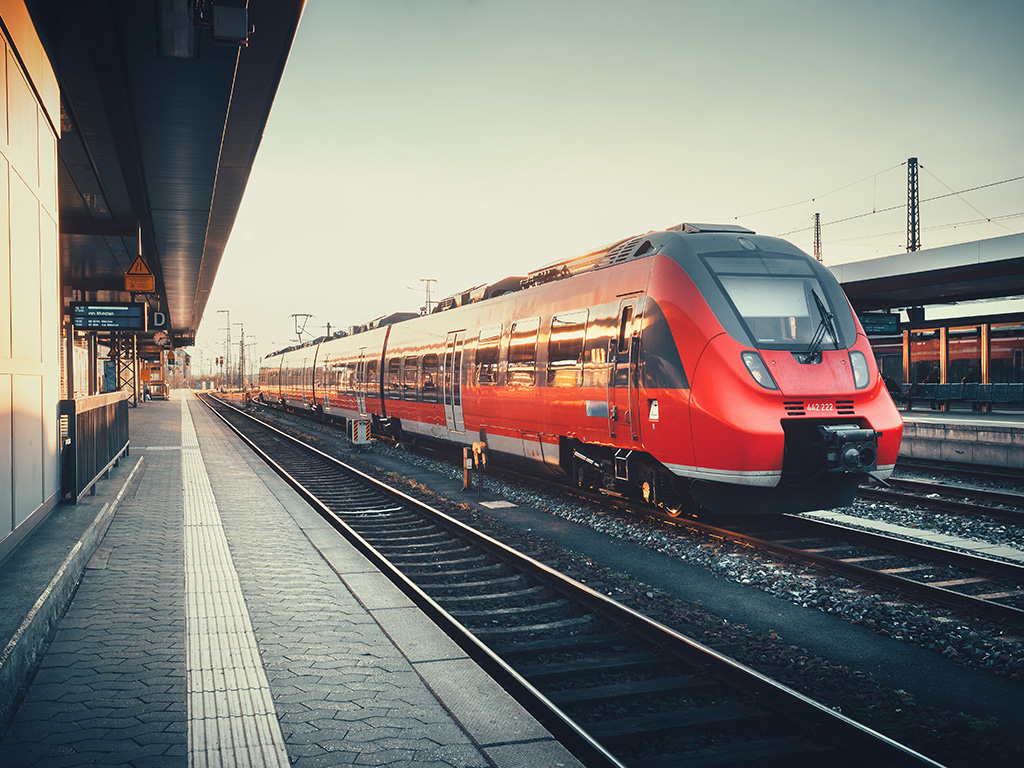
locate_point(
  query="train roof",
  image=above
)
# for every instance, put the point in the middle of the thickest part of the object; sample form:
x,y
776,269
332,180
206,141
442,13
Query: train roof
x,y
619,252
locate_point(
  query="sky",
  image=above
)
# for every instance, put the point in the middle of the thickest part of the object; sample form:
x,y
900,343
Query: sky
x,y
467,140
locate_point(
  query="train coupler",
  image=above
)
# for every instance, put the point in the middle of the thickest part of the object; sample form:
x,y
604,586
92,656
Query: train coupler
x,y
849,448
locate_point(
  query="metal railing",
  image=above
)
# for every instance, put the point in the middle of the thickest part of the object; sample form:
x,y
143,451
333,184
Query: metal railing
x,y
95,437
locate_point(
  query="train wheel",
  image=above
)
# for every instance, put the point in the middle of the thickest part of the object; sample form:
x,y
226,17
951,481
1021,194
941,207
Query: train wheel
x,y
584,477
647,489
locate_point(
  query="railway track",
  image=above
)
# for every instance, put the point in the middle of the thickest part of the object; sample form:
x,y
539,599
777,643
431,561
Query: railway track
x,y
957,580
617,688
956,499
969,472
962,581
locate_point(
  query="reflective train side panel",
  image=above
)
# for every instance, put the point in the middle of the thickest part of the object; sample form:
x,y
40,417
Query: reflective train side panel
x,y
701,368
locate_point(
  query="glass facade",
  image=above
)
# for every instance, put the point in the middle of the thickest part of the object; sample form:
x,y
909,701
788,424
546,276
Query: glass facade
x,y
964,356
889,357
925,358
1006,356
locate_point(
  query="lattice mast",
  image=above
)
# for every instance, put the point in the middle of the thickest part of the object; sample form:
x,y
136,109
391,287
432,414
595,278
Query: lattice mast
x,y
913,207
817,236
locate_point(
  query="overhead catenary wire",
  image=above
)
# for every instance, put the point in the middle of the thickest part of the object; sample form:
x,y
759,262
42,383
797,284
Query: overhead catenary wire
x,y
902,205
933,228
826,194
967,202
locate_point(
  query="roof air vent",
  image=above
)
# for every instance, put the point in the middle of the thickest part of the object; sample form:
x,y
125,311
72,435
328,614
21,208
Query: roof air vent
x,y
694,228
626,251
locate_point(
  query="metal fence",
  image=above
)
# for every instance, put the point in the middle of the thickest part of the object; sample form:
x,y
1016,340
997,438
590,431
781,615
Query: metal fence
x,y
95,437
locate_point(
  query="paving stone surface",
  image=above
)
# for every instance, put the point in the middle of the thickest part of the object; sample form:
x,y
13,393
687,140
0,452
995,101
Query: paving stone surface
x,y
111,687
356,674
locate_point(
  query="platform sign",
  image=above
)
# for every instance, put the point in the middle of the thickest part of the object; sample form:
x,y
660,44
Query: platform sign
x,y
138,278
109,316
157,320
880,323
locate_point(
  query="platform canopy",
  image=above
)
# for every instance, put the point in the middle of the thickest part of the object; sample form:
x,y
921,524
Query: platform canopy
x,y
982,269
162,107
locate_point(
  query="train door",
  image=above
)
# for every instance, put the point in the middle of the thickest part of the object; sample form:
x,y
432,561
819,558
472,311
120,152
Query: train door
x,y
623,397
361,383
323,376
451,381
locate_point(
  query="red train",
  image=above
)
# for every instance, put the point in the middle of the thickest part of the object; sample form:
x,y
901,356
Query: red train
x,y
701,367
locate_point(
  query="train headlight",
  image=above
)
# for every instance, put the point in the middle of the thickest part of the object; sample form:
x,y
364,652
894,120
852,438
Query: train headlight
x,y
758,370
859,366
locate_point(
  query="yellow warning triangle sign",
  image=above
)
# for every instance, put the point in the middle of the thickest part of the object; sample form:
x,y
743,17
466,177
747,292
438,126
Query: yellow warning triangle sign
x,y
139,267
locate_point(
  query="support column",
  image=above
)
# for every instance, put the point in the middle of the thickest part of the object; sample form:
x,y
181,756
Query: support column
x,y
986,353
943,354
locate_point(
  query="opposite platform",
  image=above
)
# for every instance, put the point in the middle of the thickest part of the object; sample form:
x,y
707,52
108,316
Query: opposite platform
x,y
964,437
220,621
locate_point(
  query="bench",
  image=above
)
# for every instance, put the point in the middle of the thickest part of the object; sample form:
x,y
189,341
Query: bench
x,y
978,396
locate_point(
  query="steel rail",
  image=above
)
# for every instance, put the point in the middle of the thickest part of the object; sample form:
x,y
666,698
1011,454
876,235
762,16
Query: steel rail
x,y
995,611
954,468
843,730
959,500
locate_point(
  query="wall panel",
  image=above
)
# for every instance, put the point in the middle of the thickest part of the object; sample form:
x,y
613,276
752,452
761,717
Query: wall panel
x,y
30,301
6,458
49,284
5,262
27,446
22,124
51,436
26,287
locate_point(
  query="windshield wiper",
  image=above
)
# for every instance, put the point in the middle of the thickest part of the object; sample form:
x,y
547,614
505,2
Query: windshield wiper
x,y
813,352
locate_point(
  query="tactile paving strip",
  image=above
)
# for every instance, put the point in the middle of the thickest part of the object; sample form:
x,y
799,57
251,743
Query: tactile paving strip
x,y
231,716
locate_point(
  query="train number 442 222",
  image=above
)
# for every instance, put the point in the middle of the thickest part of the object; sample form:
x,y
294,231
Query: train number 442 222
x,y
821,407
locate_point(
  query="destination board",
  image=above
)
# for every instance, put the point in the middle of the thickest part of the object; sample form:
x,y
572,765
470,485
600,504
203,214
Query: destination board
x,y
879,324
108,316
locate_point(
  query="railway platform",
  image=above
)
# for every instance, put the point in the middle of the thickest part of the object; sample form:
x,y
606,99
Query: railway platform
x,y
196,611
964,437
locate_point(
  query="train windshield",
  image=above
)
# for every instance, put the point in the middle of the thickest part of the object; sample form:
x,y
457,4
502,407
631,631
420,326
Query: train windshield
x,y
778,298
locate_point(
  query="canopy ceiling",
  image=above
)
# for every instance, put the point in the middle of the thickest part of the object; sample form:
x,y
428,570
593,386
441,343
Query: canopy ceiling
x,y
160,124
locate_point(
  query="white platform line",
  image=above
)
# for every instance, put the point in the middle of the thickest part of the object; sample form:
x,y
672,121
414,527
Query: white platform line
x,y
231,717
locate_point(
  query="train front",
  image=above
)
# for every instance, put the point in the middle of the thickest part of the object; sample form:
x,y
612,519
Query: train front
x,y
788,412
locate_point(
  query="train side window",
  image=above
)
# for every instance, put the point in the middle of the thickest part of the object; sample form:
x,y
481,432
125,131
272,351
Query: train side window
x,y
601,331
411,378
565,349
487,348
429,380
522,354
330,374
393,383
625,329
371,377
